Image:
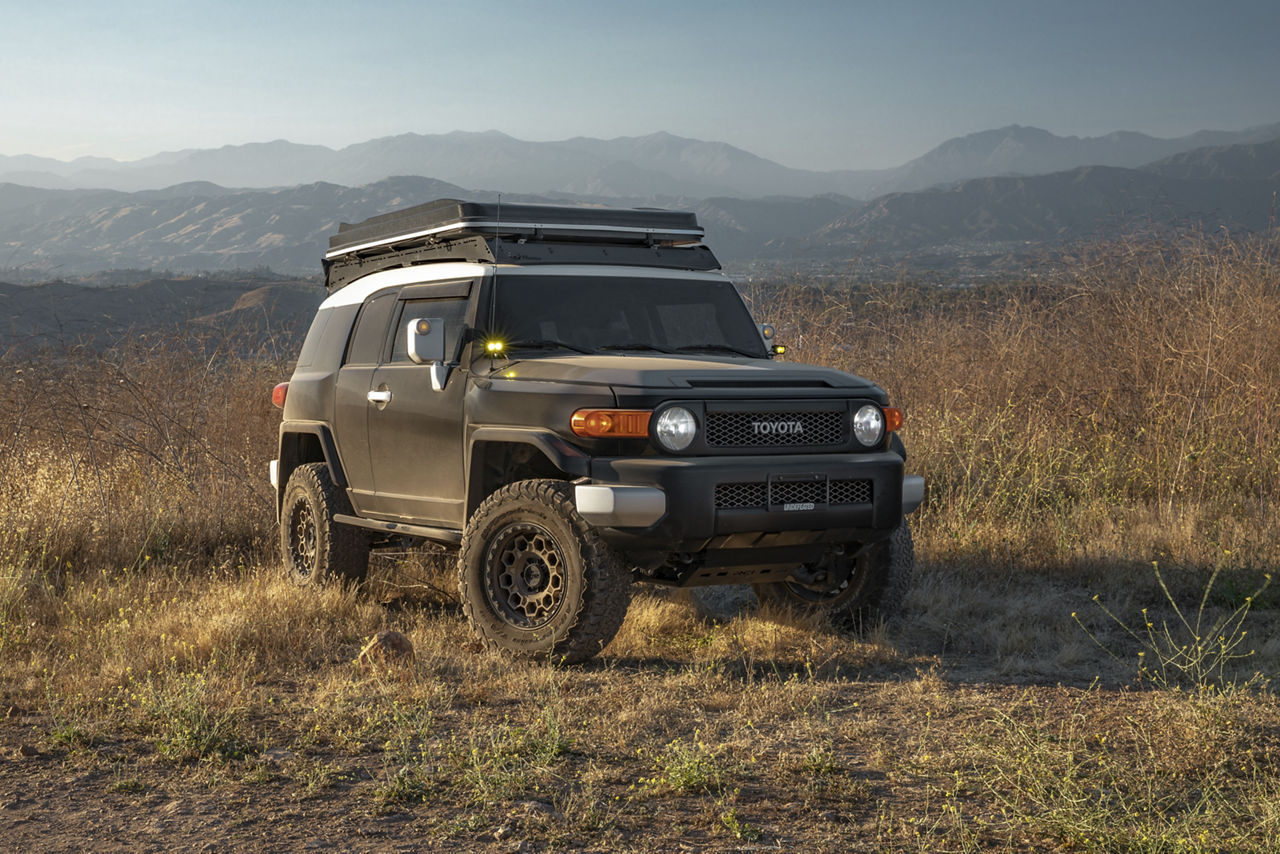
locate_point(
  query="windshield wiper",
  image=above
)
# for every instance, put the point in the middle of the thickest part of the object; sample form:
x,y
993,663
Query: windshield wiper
x,y
637,345
546,344
720,348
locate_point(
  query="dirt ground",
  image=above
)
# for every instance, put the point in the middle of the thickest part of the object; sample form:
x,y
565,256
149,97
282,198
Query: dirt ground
x,y
118,796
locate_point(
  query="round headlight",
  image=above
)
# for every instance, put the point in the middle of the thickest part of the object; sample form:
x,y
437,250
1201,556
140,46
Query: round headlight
x,y
675,428
868,425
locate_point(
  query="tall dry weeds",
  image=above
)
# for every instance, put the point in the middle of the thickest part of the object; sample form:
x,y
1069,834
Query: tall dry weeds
x,y
153,449
1122,407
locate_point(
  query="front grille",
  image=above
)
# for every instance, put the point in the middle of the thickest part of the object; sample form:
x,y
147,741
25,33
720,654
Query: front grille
x,y
850,491
732,495
761,494
726,429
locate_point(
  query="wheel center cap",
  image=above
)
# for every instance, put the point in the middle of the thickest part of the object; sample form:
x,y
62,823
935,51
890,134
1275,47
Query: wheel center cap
x,y
533,575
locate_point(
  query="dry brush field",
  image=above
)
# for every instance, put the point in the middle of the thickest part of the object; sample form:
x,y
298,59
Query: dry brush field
x,y
1084,661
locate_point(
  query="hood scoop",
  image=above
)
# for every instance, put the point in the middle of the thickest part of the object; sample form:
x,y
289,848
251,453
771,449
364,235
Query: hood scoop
x,y
755,382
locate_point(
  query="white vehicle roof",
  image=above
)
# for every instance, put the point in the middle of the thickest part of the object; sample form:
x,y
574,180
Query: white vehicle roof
x,y
360,290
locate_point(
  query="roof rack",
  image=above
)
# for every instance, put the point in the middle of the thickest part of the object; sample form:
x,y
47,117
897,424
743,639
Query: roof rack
x,y
453,230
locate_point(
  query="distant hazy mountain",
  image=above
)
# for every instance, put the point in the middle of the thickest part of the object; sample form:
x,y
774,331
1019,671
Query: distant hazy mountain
x,y
1258,162
203,226
229,311
658,164
1017,150
193,227
1021,214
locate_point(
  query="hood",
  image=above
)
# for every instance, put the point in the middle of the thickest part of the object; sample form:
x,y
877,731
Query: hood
x,y
661,371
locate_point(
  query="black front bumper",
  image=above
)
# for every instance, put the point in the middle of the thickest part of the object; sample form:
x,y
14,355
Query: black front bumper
x,y
736,502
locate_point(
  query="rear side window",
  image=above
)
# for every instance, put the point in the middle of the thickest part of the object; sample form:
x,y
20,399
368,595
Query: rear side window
x,y
452,310
314,334
369,339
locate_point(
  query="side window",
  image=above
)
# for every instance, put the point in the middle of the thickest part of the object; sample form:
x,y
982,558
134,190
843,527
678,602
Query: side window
x,y
370,335
314,334
452,310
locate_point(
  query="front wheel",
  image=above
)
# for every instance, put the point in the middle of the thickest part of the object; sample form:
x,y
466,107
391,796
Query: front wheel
x,y
863,590
314,547
536,579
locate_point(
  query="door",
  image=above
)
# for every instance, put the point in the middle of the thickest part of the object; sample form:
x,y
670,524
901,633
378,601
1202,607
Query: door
x,y
416,432
366,348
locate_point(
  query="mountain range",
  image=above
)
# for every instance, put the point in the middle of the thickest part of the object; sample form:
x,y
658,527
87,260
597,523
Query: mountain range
x,y
996,194
659,164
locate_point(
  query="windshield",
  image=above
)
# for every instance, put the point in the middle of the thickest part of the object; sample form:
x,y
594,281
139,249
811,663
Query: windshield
x,y
615,313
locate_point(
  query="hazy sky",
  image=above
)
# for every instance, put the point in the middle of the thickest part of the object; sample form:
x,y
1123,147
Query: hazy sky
x,y
819,85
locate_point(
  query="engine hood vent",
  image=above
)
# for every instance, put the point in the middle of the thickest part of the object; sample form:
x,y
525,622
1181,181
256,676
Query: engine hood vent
x,y
759,383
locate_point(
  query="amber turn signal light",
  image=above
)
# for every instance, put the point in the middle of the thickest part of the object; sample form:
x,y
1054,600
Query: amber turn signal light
x,y
611,423
892,419
279,393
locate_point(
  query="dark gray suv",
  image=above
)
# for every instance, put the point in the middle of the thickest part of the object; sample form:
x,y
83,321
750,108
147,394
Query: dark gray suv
x,y
577,400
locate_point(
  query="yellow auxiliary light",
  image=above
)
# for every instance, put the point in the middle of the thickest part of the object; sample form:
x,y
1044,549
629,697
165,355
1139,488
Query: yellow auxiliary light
x,y
494,347
779,349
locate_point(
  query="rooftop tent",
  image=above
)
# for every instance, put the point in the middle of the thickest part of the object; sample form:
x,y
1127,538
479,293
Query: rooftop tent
x,y
453,230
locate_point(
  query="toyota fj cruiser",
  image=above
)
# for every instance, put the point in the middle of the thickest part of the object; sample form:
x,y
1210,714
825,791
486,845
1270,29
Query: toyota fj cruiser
x,y
575,399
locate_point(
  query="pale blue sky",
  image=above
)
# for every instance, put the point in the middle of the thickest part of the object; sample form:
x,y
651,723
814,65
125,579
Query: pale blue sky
x,y
819,85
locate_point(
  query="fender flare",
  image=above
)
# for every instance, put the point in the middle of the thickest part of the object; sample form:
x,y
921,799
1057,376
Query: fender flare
x,y
291,456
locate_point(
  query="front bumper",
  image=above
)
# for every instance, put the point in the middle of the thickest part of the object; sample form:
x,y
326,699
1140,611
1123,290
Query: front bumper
x,y
689,504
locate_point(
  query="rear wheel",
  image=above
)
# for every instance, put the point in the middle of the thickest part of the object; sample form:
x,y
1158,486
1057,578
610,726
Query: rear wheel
x,y
536,579
862,590
314,547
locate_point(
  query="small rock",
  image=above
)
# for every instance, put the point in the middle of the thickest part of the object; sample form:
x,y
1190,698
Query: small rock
x,y
276,755
387,646
28,750
536,807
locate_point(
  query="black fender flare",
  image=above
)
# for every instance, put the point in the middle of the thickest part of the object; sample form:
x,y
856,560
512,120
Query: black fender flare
x,y
292,453
572,461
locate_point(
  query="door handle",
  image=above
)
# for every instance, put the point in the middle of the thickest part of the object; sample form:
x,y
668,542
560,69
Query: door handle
x,y
381,396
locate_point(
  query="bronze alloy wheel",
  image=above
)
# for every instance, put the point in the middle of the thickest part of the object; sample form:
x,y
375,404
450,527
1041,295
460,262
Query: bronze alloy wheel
x,y
525,583
536,579
316,549
302,538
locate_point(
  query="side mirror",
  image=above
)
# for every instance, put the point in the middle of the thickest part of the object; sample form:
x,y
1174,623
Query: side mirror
x,y
426,347
426,339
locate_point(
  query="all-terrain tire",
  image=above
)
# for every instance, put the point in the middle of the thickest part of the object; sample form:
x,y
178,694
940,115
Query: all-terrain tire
x,y
874,590
535,578
316,549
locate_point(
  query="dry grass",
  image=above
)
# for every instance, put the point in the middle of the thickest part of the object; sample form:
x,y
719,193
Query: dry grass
x,y
1119,410
1073,429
